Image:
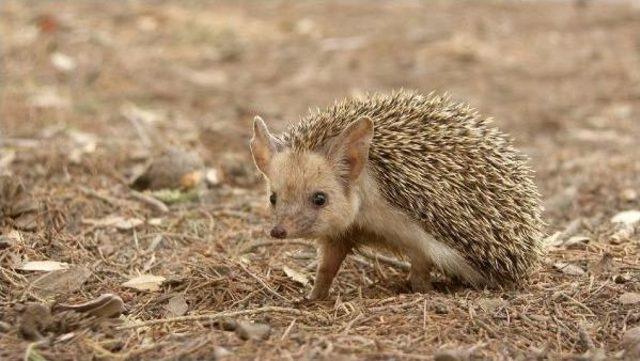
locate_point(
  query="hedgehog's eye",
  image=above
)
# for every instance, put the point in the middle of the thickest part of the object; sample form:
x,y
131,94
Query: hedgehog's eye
x,y
319,198
273,198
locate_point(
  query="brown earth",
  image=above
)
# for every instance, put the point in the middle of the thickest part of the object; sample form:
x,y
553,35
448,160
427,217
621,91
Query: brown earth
x,y
92,90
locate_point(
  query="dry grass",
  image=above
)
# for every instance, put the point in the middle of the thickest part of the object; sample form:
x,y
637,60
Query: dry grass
x,y
563,79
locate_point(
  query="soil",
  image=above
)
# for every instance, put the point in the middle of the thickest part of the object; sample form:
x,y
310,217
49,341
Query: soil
x,y
94,91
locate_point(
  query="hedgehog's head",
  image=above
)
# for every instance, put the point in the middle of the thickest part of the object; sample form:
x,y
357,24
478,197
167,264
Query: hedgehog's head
x,y
312,192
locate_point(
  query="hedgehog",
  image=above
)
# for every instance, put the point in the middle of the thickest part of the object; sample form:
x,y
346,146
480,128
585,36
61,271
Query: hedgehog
x,y
417,175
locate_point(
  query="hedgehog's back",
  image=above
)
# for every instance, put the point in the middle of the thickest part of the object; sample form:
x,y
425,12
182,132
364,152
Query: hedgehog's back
x,y
439,162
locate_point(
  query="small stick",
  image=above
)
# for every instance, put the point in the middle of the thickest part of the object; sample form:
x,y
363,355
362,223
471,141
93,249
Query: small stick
x,y
387,260
110,200
232,214
270,242
217,316
264,284
286,332
156,204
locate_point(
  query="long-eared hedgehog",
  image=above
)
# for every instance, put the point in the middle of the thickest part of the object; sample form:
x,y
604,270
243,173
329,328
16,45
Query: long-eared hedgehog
x,y
421,176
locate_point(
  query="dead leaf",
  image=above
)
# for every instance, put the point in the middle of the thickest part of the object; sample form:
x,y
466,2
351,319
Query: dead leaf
x,y
576,242
61,282
43,266
26,222
569,269
107,305
630,298
627,217
553,240
145,283
253,331
296,276
177,306
23,206
128,223
121,223
490,305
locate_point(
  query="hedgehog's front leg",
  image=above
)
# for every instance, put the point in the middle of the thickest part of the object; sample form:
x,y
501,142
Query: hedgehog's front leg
x,y
332,253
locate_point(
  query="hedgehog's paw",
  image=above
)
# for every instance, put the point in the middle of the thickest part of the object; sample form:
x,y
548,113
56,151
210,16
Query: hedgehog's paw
x,y
420,282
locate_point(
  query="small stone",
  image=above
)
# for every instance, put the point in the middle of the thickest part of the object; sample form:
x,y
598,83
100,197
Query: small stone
x,y
441,309
36,318
631,343
622,278
5,242
220,352
212,177
630,298
253,331
177,306
629,217
173,169
4,327
228,325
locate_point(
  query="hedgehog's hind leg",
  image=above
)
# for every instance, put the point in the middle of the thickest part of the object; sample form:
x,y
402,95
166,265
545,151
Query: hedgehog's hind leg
x,y
420,273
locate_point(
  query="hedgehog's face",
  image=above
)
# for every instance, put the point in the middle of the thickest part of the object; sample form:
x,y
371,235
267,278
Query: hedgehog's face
x,y
311,192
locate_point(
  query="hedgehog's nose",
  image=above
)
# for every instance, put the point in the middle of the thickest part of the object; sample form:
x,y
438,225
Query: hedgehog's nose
x,y
279,232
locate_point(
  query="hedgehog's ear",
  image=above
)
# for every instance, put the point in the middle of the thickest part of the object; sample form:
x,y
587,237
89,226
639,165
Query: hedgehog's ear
x,y
350,150
263,145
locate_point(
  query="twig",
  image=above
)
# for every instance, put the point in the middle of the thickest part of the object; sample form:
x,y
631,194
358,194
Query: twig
x,y
271,242
264,284
156,204
216,316
230,213
110,200
386,260
286,332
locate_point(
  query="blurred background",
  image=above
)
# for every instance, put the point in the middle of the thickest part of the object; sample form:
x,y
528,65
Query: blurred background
x,y
92,92
562,77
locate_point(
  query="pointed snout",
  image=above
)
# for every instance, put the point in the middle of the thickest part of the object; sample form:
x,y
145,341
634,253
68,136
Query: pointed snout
x,y
278,232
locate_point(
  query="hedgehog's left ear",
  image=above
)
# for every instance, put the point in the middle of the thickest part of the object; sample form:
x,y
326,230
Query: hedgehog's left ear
x,y
350,150
263,145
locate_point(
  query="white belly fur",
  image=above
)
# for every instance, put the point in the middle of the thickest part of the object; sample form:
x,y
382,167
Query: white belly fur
x,y
377,216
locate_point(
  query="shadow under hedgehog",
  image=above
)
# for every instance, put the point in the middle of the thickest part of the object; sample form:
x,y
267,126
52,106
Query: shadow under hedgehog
x,y
418,175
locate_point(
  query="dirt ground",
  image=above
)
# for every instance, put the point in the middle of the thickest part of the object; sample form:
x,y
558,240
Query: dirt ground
x,y
93,91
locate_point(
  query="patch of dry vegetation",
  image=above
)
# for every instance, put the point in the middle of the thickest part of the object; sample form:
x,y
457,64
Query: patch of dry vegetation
x,y
94,92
